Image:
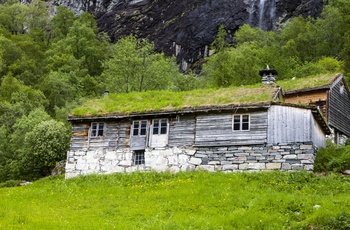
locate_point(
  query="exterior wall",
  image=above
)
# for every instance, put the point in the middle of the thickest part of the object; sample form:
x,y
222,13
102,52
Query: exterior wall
x,y
216,130
290,124
339,107
306,97
281,156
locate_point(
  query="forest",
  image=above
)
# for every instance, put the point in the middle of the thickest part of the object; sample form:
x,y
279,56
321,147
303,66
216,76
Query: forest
x,y
48,66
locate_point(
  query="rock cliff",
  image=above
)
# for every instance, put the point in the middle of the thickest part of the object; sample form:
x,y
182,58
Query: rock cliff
x,y
187,28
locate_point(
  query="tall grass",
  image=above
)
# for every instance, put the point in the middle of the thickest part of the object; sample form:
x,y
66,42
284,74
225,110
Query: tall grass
x,y
189,200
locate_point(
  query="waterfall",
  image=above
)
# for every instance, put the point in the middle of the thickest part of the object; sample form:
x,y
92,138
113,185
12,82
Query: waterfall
x,y
261,13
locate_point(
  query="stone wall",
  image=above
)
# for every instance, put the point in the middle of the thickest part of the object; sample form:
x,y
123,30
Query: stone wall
x,y
285,157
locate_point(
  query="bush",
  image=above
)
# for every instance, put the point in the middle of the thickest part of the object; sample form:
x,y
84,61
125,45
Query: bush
x,y
10,183
333,159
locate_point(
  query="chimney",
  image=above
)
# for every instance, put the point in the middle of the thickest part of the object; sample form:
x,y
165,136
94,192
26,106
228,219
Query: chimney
x,y
268,75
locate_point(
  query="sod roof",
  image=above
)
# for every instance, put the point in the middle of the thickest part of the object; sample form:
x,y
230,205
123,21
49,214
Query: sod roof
x,y
156,101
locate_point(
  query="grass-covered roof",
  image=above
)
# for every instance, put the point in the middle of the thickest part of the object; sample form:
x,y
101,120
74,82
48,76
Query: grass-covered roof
x,y
166,100
308,82
152,101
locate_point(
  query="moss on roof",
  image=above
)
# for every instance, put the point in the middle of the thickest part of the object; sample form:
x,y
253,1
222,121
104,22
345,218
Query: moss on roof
x,y
126,103
308,82
166,100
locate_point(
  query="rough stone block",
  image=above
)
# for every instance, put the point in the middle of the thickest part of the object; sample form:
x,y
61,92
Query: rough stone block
x,y
297,166
245,148
307,161
214,162
187,167
257,166
195,161
286,166
173,160
306,147
191,152
200,155
183,159
273,166
126,163
241,154
276,147
230,167
209,168
243,166
222,149
309,167
229,155
291,156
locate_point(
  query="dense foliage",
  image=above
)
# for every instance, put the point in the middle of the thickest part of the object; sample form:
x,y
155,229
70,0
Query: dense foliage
x,y
187,200
50,65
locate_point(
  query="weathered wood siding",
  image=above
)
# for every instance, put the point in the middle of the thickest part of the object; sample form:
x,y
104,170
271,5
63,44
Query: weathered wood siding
x,y
216,130
80,137
182,130
124,134
289,124
306,97
339,107
318,136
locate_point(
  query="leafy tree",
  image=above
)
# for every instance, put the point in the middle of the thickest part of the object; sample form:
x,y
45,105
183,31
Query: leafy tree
x,y
47,144
134,66
61,22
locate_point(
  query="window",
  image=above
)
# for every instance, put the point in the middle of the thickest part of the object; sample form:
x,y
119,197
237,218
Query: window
x,y
139,128
97,129
241,122
139,157
160,126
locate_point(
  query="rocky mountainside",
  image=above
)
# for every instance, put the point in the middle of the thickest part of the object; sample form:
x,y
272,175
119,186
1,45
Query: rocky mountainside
x,y
187,28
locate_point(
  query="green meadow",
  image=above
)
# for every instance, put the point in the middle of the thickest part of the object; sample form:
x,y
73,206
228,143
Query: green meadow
x,y
188,200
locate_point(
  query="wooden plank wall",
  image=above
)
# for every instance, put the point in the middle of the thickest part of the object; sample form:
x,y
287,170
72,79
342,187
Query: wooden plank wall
x,y
339,108
80,134
289,124
216,130
182,130
318,136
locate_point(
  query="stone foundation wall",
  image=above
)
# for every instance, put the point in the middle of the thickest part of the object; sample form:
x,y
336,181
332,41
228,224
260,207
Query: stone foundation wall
x,y
286,157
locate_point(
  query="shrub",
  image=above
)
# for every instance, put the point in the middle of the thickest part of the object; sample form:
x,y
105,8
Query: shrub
x,y
333,159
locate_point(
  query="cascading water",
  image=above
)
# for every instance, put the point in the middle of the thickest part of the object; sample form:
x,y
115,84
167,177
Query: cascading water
x,y
261,13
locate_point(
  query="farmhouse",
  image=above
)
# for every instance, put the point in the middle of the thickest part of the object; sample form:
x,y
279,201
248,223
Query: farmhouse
x,y
233,129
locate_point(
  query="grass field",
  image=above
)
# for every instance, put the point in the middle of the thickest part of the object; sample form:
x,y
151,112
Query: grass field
x,y
189,200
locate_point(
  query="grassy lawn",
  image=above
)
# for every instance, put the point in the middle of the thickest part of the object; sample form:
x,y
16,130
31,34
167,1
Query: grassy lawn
x,y
190,200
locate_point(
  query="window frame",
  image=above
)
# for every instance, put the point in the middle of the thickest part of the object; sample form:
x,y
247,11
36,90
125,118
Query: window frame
x,y
141,130
160,126
138,157
99,132
241,122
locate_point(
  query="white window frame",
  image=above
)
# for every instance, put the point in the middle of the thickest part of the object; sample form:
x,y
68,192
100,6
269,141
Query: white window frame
x,y
240,123
140,128
159,126
98,131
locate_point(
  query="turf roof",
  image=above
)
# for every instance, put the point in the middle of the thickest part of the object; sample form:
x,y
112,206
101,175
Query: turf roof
x,y
169,101
152,101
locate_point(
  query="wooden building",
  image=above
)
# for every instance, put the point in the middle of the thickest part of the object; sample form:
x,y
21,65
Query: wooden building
x,y
272,134
332,98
